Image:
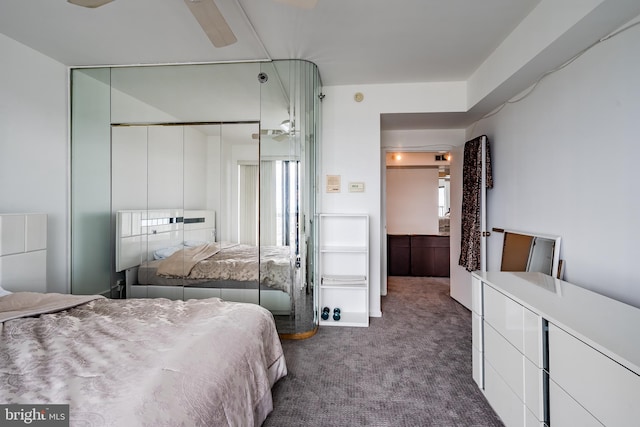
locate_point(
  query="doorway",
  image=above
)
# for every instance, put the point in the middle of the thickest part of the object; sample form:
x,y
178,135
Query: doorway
x,y
416,207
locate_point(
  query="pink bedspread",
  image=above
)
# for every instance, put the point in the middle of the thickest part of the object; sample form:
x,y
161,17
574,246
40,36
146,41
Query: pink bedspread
x,y
143,362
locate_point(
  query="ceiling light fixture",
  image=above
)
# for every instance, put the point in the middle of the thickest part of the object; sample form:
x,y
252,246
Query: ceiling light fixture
x,y
89,3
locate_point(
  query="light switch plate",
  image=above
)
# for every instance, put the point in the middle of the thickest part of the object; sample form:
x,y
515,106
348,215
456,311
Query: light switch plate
x,y
356,187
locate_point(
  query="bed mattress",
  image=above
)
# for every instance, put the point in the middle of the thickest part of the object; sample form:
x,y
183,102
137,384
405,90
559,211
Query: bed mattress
x,y
141,361
236,263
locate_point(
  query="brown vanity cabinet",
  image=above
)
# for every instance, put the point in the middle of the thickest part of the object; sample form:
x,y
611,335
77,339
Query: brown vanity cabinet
x,y
418,255
399,255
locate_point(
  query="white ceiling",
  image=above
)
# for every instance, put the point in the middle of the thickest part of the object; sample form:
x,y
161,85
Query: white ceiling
x,y
351,41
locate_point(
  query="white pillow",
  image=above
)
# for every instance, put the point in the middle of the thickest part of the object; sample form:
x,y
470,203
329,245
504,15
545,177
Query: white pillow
x,y
4,292
165,252
192,243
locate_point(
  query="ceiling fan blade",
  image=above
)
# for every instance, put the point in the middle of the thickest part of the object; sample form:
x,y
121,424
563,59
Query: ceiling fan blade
x,y
89,3
303,4
212,22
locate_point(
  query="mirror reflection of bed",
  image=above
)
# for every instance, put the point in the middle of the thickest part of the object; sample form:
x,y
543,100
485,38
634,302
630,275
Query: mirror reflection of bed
x,y
201,137
209,217
173,254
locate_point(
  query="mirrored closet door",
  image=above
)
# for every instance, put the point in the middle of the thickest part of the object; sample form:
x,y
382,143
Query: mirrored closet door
x,y
185,200
289,153
197,181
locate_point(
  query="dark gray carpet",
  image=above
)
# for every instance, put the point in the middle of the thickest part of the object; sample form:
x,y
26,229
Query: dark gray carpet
x,y
411,367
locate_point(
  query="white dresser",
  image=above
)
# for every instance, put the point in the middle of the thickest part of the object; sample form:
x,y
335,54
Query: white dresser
x,y
546,352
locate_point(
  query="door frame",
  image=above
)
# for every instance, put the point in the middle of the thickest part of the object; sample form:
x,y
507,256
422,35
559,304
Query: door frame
x,y
383,200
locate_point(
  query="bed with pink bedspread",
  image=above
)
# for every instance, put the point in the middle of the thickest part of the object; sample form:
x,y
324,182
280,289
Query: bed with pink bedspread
x,y
140,362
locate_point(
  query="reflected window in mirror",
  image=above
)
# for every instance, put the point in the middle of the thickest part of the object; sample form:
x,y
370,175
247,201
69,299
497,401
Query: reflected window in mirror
x,y
287,195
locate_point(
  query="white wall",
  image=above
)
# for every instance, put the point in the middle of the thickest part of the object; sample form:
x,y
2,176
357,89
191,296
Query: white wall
x,y
565,162
349,129
520,47
411,191
412,201
351,148
562,130
33,147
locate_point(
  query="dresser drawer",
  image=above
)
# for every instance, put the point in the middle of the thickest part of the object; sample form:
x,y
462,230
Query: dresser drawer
x,y
477,368
503,400
566,412
505,359
603,387
533,389
476,295
477,338
530,420
533,337
477,349
505,315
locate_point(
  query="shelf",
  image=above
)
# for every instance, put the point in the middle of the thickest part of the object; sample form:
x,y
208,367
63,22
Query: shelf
x,y
348,319
362,249
344,281
349,285
344,268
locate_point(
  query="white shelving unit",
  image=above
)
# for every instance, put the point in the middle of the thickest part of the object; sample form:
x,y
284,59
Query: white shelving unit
x,y
344,268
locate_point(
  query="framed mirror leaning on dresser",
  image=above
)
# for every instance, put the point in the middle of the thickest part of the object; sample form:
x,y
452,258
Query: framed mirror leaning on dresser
x,y
524,251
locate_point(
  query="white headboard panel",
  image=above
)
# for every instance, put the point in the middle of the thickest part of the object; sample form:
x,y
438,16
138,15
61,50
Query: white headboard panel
x,y
23,252
141,232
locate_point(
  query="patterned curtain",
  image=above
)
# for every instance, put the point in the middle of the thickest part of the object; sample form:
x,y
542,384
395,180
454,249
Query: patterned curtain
x,y
471,186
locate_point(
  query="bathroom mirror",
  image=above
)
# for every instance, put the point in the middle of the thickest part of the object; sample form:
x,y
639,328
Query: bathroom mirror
x,y
523,251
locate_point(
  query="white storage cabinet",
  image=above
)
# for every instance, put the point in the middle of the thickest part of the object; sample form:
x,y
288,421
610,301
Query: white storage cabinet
x,y
344,268
549,353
